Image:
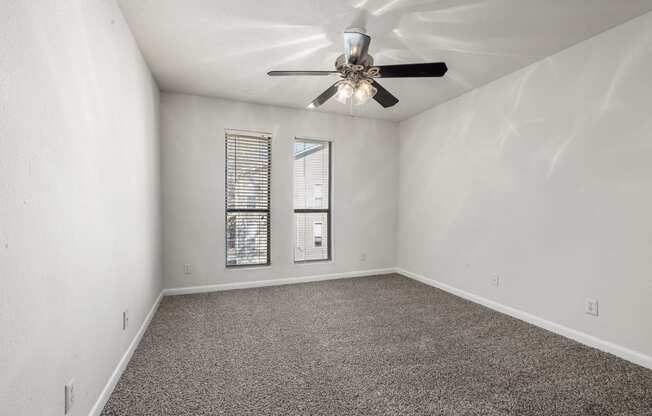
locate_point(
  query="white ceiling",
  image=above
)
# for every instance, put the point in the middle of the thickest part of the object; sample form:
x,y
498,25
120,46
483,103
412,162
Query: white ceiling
x,y
223,48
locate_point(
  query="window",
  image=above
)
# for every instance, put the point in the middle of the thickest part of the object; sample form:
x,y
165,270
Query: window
x,y
247,199
312,215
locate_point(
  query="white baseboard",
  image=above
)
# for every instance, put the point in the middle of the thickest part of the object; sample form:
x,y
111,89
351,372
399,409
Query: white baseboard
x,y
273,282
581,337
122,364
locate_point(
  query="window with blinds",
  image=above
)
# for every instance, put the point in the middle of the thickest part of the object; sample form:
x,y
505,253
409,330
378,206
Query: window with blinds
x,y
312,191
248,181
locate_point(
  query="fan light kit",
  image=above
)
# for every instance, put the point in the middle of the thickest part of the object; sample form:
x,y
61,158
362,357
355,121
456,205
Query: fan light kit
x,y
358,72
358,93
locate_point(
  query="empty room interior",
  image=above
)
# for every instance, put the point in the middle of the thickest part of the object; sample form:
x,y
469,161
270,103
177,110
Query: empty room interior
x,y
312,207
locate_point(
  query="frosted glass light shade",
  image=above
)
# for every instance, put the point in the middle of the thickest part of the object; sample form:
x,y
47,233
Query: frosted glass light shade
x,y
363,92
344,92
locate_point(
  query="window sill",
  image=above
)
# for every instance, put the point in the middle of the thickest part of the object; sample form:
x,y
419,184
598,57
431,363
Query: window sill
x,y
309,262
237,268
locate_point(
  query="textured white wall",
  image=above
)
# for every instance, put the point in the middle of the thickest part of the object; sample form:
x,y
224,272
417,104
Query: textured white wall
x,y
79,200
545,178
542,177
364,188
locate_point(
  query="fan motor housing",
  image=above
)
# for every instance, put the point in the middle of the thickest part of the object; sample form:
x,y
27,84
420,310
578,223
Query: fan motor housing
x,y
342,66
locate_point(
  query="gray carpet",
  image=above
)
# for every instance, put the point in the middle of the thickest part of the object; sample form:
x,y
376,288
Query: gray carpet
x,y
382,345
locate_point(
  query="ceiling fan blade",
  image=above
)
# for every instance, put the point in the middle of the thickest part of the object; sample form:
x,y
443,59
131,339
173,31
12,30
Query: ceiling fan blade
x,y
356,47
384,97
294,73
324,96
432,69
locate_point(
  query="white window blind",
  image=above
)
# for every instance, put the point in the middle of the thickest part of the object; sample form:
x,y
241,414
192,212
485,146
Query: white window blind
x,y
247,199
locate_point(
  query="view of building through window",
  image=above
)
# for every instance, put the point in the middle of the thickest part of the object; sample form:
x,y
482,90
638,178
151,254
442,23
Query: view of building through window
x,y
312,162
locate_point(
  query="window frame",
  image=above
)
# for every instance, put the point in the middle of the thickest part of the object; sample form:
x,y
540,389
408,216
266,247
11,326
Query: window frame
x,y
328,210
227,210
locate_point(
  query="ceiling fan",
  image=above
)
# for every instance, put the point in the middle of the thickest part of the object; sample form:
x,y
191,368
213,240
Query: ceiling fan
x,y
358,72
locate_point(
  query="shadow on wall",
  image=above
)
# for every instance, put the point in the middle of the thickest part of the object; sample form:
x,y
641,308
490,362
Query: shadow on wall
x,y
541,175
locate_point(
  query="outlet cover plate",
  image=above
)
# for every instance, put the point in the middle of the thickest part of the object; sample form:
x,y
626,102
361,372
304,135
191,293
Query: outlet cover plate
x,y
125,319
495,280
69,396
591,307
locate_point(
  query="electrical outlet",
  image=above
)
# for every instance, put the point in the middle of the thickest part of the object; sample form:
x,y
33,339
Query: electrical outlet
x,y
363,257
186,269
69,397
125,319
495,280
591,306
